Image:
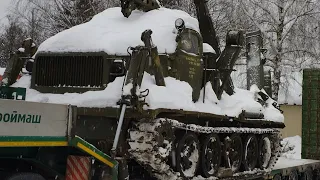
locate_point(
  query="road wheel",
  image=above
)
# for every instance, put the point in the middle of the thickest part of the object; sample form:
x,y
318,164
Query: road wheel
x,y
234,152
25,176
210,155
251,150
264,152
188,153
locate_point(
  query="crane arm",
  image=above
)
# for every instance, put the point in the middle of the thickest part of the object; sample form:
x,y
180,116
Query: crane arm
x,y
207,30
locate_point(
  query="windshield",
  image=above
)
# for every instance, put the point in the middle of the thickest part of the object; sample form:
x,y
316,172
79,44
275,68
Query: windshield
x,y
189,43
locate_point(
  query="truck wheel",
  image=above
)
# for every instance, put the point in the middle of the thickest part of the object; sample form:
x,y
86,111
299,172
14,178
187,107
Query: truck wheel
x,y
25,176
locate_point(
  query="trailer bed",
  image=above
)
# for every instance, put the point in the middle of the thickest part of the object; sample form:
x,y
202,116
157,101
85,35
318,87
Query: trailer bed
x,y
285,167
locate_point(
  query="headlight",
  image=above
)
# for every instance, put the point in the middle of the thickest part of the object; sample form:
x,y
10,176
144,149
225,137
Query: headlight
x,y
179,24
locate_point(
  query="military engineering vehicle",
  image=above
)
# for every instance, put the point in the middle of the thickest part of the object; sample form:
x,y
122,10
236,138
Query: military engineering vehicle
x,y
148,141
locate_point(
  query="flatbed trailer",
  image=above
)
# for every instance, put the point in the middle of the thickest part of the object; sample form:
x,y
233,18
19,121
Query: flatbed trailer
x,y
295,169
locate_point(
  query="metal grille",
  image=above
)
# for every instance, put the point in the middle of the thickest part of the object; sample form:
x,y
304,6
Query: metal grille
x,y
69,71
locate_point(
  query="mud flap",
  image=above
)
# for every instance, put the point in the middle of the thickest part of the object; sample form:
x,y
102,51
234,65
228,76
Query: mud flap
x,y
78,168
96,153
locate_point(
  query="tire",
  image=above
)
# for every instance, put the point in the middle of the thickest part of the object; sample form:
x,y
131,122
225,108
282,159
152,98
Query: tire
x,y
25,176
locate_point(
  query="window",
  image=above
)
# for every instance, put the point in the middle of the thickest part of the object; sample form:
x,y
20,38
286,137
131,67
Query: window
x,y
189,43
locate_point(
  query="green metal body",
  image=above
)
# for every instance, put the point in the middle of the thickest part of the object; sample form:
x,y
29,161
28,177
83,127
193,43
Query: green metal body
x,y
311,114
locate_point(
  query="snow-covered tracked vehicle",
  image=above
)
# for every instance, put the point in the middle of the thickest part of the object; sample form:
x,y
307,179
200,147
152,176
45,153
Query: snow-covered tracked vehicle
x,y
153,89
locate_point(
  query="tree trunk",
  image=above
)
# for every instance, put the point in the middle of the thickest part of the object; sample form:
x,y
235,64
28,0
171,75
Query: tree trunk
x,y
276,82
278,58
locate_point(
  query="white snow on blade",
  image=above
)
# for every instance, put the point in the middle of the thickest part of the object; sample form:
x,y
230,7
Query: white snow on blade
x,y
175,95
291,147
112,33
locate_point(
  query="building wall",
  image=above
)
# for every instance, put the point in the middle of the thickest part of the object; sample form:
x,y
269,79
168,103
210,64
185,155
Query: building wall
x,y
292,119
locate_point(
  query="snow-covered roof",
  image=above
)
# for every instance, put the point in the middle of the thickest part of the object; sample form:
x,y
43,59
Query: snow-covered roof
x,y
112,33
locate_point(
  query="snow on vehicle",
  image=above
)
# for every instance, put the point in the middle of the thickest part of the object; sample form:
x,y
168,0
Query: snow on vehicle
x,y
153,90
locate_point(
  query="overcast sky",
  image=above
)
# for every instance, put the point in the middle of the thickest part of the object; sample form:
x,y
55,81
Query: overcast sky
x,y
4,4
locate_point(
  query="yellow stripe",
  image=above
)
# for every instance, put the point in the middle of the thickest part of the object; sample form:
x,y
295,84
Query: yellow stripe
x,y
33,143
94,154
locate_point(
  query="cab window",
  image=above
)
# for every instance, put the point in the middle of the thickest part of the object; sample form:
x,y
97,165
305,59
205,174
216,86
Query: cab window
x,y
189,42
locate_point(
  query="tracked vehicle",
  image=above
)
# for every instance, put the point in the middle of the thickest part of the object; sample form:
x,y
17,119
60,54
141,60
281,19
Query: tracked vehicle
x,y
136,109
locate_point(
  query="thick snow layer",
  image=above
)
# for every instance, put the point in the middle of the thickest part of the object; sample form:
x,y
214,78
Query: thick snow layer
x,y
291,147
176,95
112,33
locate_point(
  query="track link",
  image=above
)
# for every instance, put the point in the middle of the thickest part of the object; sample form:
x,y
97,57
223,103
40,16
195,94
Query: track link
x,y
151,143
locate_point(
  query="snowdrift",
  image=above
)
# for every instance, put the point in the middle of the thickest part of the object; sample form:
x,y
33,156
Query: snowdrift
x,y
176,95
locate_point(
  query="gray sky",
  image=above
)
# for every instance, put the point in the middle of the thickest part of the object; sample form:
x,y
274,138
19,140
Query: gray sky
x,y
4,4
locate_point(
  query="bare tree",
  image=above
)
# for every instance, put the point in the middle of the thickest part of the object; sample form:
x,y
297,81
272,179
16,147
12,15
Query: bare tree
x,y
277,20
11,39
47,18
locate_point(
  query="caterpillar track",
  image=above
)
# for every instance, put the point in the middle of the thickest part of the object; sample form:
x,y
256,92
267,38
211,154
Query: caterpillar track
x,y
156,146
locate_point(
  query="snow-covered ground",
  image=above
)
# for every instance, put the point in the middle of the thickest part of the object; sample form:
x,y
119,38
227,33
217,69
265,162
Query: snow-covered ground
x,y
291,147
